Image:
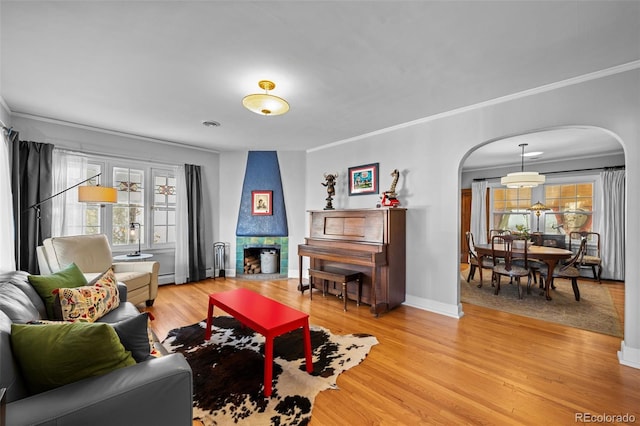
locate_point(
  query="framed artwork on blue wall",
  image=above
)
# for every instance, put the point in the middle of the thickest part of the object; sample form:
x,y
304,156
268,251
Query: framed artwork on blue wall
x,y
363,179
261,203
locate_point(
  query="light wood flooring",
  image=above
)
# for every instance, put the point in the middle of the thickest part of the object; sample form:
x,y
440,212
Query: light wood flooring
x,y
489,367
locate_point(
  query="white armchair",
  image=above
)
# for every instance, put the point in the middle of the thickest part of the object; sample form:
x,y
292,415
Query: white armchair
x,y
92,254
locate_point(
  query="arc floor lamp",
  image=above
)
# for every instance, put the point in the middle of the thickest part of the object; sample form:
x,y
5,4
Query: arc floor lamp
x,y
86,194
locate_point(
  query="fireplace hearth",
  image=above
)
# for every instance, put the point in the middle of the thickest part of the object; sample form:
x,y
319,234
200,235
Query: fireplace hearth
x,y
262,258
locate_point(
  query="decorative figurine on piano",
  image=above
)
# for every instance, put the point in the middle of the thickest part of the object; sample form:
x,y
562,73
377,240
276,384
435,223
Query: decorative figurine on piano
x,y
331,188
389,197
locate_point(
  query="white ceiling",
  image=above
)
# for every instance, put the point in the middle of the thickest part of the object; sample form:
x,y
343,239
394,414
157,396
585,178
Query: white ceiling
x,y
159,68
574,142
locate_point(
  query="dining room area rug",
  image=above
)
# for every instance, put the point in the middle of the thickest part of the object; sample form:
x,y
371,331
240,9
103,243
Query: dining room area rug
x,y
595,311
228,371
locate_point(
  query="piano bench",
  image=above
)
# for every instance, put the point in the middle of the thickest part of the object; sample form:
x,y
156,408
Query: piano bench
x,y
337,275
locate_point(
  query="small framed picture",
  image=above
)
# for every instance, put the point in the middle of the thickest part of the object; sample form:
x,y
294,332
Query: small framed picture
x,y
363,179
261,202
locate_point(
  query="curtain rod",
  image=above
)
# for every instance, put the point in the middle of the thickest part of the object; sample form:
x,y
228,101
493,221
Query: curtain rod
x,y
117,157
5,128
561,171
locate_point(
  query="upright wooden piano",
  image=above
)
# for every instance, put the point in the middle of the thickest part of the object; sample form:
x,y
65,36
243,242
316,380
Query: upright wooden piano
x,y
371,241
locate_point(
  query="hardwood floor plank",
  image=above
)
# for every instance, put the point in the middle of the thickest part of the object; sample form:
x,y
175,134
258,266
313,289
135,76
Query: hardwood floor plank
x,y
488,367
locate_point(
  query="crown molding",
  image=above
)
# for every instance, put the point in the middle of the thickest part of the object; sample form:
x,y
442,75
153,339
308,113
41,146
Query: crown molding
x,y
110,132
518,95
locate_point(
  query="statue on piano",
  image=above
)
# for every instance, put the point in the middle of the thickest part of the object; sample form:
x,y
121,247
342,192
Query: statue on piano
x,y
330,183
389,198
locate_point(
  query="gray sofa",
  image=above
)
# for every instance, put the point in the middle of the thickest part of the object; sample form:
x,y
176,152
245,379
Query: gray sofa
x,y
153,392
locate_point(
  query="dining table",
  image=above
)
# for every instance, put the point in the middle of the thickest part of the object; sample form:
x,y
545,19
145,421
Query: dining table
x,y
549,255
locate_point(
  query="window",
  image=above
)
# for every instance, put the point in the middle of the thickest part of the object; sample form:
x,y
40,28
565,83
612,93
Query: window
x,y
92,212
571,207
146,196
76,218
164,207
509,208
130,207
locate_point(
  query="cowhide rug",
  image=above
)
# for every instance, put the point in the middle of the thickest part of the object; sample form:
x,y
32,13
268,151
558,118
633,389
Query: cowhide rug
x,y
228,371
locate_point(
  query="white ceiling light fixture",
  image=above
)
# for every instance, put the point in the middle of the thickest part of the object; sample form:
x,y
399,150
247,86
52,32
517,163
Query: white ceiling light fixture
x,y
264,103
522,179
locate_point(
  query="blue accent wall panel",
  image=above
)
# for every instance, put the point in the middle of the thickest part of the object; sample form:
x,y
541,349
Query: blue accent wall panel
x,y
262,174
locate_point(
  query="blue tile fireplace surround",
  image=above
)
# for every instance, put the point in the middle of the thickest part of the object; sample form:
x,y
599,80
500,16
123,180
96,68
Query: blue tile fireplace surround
x,y
262,233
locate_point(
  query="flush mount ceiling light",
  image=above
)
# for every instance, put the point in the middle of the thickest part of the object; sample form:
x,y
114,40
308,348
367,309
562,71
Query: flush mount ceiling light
x,y
264,103
522,179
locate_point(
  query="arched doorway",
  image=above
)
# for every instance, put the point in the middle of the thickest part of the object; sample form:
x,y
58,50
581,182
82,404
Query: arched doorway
x,y
566,154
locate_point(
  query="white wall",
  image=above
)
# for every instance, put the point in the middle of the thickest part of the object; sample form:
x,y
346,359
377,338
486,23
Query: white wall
x,y
292,172
430,154
97,142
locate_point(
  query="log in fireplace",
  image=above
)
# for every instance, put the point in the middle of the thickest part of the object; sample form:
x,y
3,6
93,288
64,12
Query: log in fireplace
x,y
263,259
252,253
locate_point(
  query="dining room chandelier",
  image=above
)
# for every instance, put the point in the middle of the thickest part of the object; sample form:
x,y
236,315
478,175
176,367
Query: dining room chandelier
x,y
264,103
522,179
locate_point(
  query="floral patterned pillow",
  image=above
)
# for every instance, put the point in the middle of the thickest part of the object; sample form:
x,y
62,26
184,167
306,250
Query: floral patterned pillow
x,y
88,303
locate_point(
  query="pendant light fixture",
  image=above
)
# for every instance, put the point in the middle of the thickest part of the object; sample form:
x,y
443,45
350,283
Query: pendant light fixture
x,y
522,179
264,103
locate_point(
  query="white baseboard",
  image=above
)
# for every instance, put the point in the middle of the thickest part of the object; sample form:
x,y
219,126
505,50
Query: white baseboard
x,y
629,356
453,311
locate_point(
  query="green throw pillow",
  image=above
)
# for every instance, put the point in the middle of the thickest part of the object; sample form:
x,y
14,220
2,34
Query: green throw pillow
x,y
47,285
133,333
53,355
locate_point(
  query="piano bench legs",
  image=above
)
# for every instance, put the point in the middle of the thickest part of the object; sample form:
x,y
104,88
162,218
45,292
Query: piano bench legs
x,y
337,275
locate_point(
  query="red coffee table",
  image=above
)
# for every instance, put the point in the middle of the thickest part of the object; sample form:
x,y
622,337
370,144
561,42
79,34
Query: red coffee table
x,y
265,316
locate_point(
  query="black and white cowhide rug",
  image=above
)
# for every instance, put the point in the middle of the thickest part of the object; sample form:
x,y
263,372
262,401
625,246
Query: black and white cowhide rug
x,y
228,371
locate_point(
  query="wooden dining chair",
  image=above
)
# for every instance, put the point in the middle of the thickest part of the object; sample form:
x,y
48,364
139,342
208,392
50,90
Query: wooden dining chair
x,y
592,257
474,261
502,246
494,232
569,270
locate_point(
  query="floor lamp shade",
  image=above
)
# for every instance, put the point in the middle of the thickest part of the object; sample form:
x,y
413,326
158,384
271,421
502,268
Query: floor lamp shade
x,y
97,194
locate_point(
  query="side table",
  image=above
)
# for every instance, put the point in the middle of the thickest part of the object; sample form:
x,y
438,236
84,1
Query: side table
x,y
127,258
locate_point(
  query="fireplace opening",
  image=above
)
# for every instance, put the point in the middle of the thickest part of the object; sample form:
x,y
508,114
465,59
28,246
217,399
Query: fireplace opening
x,y
262,259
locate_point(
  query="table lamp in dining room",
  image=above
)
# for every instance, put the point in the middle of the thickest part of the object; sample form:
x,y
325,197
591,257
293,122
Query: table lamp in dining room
x,y
538,207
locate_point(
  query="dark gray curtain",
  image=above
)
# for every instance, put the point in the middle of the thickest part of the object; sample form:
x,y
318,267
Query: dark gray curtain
x,y
31,182
195,227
